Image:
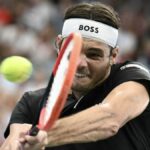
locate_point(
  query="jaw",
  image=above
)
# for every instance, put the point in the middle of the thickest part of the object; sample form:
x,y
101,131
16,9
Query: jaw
x,y
83,83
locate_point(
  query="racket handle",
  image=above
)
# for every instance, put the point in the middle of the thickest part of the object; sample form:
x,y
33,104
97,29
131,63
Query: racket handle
x,y
34,131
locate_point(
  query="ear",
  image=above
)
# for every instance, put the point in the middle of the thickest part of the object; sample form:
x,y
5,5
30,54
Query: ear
x,y
114,54
58,42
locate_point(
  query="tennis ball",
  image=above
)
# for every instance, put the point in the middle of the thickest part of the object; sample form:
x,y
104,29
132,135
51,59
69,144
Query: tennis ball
x,y
16,69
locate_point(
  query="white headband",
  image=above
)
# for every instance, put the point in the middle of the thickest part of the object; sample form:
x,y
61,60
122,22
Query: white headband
x,y
91,29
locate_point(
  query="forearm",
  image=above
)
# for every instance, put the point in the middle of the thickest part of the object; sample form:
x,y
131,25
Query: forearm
x,y
90,125
103,120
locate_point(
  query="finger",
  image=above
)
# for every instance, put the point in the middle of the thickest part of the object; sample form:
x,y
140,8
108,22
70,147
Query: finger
x,y
22,140
27,146
31,139
43,137
43,148
40,138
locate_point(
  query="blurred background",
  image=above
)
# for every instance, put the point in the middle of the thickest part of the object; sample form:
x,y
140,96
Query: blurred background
x,y
29,27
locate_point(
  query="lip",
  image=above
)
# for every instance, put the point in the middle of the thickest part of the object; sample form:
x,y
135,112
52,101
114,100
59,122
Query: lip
x,y
80,75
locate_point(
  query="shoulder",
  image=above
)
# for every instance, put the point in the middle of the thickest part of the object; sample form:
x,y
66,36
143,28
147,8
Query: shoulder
x,y
135,65
31,98
24,111
35,94
131,70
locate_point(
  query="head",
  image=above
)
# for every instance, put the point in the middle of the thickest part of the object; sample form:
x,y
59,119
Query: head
x,y
98,52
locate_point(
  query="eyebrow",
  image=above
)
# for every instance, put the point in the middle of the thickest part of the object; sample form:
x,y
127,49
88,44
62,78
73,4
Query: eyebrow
x,y
94,49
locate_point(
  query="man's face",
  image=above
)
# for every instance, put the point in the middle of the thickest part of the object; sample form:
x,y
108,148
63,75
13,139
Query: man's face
x,y
93,66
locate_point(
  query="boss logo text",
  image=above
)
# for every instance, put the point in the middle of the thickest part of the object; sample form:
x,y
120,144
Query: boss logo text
x,y
88,28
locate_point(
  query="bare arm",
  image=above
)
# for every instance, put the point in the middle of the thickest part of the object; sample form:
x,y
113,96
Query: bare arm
x,y
101,121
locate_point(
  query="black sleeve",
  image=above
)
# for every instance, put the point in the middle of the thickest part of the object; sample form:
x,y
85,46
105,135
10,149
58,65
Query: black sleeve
x,y
132,71
25,110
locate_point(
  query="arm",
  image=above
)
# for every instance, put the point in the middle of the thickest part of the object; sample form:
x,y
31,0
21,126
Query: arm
x,y
102,121
20,122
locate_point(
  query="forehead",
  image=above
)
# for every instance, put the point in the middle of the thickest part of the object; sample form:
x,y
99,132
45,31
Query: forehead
x,y
89,43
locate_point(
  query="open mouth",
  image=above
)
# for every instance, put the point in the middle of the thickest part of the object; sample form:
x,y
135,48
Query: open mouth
x,y
80,75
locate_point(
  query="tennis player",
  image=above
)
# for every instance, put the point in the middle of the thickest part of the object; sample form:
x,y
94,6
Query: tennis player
x,y
108,107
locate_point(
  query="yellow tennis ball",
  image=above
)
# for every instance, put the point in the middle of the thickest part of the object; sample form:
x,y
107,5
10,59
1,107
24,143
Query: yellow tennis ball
x,y
16,69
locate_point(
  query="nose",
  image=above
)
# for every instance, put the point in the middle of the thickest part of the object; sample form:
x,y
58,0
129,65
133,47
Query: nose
x,y
82,61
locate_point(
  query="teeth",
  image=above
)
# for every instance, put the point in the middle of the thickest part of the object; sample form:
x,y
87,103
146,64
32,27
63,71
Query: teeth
x,y
80,75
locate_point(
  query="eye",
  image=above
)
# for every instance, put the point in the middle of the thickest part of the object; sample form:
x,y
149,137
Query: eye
x,y
94,55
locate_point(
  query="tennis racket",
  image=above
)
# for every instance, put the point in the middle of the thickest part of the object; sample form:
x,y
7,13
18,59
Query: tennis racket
x,y
59,84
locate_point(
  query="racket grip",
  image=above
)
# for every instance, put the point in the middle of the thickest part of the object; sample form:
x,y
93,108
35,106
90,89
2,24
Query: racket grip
x,y
34,131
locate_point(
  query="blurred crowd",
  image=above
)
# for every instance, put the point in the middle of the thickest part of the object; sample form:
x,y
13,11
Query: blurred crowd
x,y
29,27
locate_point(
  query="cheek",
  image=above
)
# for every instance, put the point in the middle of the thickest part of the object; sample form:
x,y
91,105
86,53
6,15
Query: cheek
x,y
99,70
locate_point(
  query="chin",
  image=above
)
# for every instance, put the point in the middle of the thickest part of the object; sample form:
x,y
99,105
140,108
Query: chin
x,y
81,88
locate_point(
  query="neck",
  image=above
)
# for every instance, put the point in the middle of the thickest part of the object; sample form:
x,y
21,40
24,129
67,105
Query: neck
x,y
78,94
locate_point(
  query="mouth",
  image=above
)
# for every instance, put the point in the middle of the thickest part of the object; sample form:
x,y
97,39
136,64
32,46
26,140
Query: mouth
x,y
80,75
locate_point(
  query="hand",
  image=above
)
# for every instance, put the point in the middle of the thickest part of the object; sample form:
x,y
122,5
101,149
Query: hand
x,y
38,142
11,144
16,132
